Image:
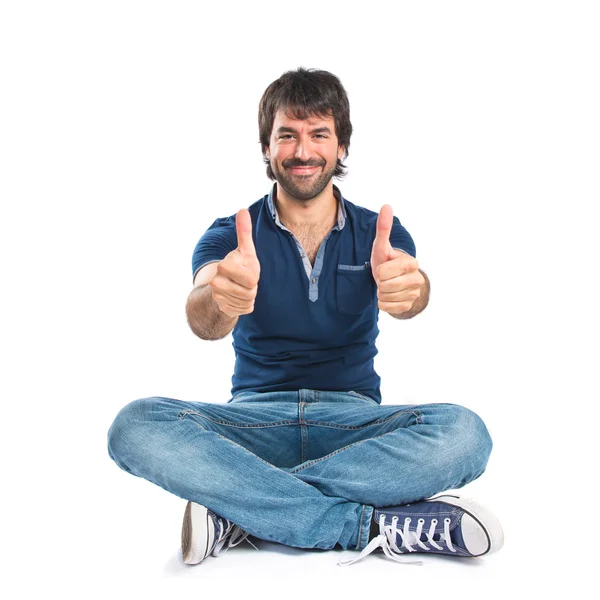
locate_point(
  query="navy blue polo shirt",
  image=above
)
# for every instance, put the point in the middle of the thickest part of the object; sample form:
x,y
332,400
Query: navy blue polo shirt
x,y
313,326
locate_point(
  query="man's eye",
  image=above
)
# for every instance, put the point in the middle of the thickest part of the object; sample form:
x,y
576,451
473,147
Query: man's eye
x,y
285,136
321,135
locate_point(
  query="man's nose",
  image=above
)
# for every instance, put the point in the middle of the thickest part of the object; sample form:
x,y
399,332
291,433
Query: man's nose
x,y
302,150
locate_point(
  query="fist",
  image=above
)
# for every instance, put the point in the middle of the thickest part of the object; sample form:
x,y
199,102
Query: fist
x,y
396,273
235,283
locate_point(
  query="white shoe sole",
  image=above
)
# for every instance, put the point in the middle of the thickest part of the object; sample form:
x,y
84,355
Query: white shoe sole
x,y
480,528
197,534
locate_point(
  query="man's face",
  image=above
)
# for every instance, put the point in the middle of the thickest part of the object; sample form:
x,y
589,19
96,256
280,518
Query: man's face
x,y
303,154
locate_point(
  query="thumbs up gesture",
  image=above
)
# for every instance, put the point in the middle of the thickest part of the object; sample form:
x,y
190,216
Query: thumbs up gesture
x,y
396,273
235,284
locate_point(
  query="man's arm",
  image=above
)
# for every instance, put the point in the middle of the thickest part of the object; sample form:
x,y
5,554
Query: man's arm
x,y
203,314
225,289
420,303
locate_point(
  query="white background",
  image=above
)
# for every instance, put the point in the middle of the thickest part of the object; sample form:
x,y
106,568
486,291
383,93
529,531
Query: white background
x,y
126,128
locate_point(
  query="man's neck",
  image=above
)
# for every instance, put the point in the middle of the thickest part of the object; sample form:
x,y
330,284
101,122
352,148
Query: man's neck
x,y
317,212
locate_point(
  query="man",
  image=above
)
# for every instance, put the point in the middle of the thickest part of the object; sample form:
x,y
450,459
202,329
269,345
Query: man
x,y
304,453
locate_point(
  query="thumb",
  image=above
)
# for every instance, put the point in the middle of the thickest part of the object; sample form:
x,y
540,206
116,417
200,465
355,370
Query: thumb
x,y
243,226
381,245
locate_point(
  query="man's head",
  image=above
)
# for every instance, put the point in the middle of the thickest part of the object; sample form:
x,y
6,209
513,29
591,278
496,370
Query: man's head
x,y
304,127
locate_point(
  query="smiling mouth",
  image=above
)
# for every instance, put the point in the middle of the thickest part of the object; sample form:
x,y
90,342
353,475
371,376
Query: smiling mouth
x,y
303,170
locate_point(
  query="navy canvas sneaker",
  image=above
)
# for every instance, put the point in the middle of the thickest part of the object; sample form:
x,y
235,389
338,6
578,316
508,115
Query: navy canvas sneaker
x,y
204,533
446,524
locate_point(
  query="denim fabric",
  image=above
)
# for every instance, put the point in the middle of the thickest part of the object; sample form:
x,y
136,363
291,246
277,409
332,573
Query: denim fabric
x,y
301,468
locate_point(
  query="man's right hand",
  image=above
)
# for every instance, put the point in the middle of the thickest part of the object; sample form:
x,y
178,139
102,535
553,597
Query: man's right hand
x,y
235,283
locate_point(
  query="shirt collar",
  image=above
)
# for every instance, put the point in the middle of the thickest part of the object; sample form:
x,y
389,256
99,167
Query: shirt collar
x,y
341,216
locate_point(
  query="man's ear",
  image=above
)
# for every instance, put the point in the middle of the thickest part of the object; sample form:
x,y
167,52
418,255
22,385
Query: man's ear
x,y
341,151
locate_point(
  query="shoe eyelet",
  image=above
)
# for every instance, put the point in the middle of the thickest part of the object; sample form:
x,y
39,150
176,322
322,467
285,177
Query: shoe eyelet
x,y
434,521
447,520
407,520
421,521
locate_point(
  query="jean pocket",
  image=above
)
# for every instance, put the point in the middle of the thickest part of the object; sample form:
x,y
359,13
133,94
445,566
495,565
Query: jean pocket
x,y
354,288
238,395
353,393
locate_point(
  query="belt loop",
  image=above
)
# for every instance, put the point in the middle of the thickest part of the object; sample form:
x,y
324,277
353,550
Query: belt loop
x,y
309,396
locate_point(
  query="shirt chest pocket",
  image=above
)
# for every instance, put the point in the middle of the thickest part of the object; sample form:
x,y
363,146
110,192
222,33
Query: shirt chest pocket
x,y
354,288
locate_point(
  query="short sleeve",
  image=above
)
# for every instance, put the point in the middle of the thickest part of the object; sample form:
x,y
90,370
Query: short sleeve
x,y
401,239
216,243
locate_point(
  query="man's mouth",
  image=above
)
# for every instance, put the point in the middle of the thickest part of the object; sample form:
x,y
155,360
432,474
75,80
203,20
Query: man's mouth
x,y
304,170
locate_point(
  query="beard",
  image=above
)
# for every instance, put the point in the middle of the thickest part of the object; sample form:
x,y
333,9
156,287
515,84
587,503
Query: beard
x,y
303,187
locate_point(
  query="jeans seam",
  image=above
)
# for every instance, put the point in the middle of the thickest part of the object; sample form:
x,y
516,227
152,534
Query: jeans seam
x,y
418,415
357,395
303,430
183,414
360,526
186,413
317,460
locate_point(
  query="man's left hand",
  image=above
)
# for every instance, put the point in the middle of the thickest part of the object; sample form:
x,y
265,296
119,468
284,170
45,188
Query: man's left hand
x,y
396,273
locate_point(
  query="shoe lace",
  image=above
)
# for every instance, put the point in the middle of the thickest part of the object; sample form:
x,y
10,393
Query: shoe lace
x,y
229,534
389,535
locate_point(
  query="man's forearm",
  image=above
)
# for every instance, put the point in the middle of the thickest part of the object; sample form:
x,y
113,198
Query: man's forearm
x,y
419,304
204,316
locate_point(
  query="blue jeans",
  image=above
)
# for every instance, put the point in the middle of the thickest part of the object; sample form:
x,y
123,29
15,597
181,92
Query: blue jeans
x,y
301,468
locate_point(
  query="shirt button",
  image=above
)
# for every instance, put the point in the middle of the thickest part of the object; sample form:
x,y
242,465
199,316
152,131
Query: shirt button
x,y
314,279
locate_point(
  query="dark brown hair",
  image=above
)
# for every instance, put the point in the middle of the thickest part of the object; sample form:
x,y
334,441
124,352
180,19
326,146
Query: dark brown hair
x,y
304,93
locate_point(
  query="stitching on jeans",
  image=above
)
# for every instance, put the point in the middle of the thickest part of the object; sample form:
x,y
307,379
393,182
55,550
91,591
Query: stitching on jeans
x,y
316,460
303,430
357,427
357,395
185,413
360,526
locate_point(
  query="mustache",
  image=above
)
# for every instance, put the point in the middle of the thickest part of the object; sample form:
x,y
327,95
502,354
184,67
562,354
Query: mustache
x,y
294,162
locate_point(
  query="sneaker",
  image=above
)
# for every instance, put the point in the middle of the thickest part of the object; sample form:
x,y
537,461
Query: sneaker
x,y
204,532
445,524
